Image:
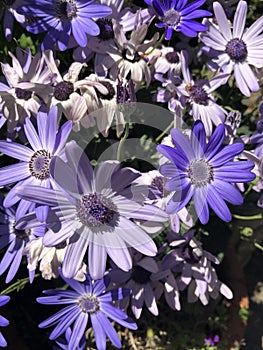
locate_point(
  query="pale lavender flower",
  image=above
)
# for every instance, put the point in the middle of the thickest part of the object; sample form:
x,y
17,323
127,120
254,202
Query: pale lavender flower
x,y
193,269
87,302
235,48
33,168
199,95
94,212
144,289
128,57
4,299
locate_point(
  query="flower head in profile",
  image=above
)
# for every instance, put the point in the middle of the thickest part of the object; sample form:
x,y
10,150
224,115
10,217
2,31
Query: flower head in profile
x,y
88,302
204,171
62,19
235,48
94,212
33,168
4,299
178,16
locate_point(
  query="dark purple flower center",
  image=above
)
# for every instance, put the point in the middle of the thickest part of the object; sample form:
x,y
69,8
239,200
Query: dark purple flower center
x,y
192,252
66,9
236,50
136,57
172,57
96,210
197,94
39,164
106,28
171,17
111,91
200,172
63,90
89,303
23,94
140,275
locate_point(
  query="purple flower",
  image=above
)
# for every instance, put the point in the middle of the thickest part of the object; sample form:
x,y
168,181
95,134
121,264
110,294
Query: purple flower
x,y
4,299
233,48
204,171
176,15
33,167
16,241
7,15
63,19
192,268
212,340
88,301
144,289
94,212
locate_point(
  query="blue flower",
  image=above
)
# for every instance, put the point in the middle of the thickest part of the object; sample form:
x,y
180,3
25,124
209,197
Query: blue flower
x,y
94,212
204,171
16,241
34,166
176,15
88,301
62,19
4,299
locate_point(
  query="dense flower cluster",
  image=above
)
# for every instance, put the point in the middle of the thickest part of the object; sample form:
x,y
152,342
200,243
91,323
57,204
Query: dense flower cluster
x,y
76,201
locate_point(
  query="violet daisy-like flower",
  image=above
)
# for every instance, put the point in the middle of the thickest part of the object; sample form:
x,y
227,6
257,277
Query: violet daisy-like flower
x,y
144,289
87,302
16,241
192,267
94,212
204,171
4,299
199,95
33,168
235,48
62,19
178,16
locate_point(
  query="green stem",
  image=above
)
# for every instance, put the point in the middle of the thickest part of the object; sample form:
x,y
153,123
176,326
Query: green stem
x,y
252,217
19,284
158,138
122,140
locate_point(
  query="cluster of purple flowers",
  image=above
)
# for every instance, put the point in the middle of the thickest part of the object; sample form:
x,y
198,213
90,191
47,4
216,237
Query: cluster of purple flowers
x,y
94,222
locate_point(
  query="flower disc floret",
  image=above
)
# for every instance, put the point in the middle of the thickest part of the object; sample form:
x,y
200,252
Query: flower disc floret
x,y
39,164
63,90
23,94
197,94
89,303
96,210
236,50
200,172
